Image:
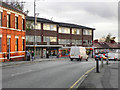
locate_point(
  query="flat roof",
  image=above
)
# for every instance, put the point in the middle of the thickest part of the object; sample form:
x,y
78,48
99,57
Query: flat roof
x,y
62,24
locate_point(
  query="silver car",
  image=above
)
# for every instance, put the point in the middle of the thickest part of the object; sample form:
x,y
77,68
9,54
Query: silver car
x,y
113,56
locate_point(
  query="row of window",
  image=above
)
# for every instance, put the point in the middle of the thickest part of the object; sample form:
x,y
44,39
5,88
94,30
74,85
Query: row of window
x,y
9,23
9,44
54,39
52,27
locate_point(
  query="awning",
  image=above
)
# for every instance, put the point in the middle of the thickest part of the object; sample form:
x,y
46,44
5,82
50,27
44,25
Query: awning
x,y
58,46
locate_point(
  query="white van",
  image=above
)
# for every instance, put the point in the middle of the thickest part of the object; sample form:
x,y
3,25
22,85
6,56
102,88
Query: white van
x,y
78,53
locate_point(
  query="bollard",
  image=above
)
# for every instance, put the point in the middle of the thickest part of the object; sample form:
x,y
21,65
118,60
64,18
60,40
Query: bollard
x,y
97,66
102,61
107,61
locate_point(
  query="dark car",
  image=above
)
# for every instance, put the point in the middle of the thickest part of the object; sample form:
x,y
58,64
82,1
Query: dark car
x,y
98,56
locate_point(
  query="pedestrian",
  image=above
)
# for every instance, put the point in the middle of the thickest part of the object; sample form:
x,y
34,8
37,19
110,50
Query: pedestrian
x,y
32,53
28,56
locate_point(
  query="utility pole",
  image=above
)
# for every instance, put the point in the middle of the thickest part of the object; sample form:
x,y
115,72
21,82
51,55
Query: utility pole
x,y
34,27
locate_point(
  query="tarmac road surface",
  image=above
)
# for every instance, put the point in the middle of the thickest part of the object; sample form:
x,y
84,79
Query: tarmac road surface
x,y
48,74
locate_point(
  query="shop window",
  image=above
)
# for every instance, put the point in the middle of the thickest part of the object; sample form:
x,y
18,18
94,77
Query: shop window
x,y
0,44
8,21
16,22
16,44
0,18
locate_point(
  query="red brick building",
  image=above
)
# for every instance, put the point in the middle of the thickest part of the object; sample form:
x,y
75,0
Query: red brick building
x,y
12,33
56,38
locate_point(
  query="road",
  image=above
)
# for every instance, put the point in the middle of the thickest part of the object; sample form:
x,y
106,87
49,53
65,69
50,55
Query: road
x,y
48,74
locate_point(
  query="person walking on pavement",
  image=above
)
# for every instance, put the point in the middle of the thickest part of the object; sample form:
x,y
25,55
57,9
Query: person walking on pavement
x,y
28,56
32,55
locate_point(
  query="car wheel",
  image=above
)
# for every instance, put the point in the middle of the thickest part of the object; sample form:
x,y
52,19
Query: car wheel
x,y
71,59
78,59
87,59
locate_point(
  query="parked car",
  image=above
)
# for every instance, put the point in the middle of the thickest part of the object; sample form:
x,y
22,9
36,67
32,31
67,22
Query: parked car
x,y
78,53
113,56
105,56
98,56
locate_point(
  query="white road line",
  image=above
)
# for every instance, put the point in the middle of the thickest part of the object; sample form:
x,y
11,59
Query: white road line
x,y
21,73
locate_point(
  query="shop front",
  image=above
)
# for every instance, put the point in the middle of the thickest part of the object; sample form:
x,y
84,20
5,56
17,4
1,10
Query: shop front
x,y
45,51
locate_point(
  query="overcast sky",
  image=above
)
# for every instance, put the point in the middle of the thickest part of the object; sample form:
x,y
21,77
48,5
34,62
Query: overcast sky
x,y
99,14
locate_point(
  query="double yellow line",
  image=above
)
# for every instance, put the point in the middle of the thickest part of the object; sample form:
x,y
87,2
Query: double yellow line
x,y
73,86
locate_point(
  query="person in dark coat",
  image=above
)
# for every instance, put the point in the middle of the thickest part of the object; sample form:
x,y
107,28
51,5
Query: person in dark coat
x,y
32,53
28,56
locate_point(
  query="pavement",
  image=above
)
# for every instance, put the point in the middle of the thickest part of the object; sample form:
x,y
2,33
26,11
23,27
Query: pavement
x,y
106,78
10,63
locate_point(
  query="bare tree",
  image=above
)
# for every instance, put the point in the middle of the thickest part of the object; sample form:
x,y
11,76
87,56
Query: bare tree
x,y
16,3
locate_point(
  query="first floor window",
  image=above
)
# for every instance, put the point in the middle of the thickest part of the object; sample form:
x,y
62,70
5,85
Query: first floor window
x,y
85,42
38,38
29,38
16,45
50,39
16,22
23,44
64,30
87,32
0,44
79,42
8,21
23,24
8,44
0,18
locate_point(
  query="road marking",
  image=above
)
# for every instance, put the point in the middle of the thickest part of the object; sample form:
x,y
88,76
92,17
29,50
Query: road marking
x,y
21,73
73,86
